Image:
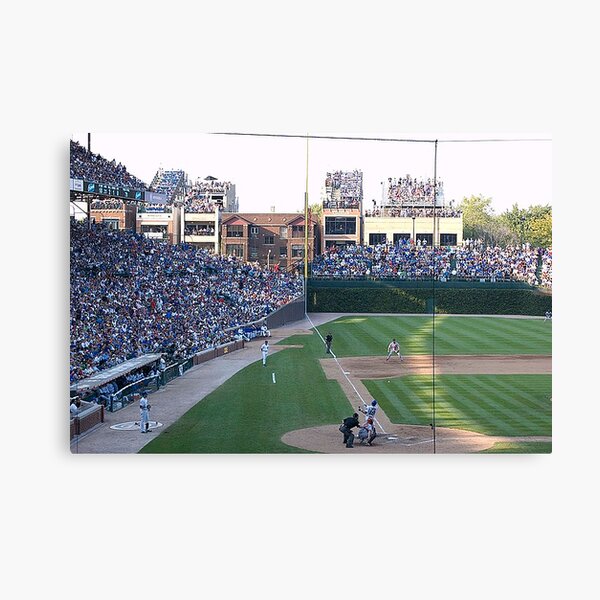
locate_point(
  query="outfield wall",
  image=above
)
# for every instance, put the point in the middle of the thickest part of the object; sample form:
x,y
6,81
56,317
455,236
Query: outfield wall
x,y
419,297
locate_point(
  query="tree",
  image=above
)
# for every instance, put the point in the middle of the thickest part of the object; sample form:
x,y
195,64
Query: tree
x,y
478,217
540,231
532,225
316,210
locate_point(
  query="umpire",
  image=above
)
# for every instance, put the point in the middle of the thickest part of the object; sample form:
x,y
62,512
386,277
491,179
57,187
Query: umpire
x,y
346,428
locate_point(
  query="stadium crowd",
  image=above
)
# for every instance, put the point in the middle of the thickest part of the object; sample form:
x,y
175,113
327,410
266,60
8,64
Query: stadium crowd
x,y
197,200
472,261
131,295
211,186
199,229
444,211
168,183
107,204
94,167
344,189
409,190
547,267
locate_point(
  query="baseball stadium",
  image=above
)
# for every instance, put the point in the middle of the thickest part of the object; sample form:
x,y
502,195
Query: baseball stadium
x,y
411,324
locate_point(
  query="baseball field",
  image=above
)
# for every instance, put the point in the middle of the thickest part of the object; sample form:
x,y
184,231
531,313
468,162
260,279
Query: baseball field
x,y
484,382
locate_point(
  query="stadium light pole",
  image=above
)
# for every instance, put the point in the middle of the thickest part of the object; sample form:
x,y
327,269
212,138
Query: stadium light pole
x,y
305,282
433,294
306,216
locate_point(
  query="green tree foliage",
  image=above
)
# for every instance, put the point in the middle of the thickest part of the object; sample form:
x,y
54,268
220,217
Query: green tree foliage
x,y
316,209
533,224
540,231
478,216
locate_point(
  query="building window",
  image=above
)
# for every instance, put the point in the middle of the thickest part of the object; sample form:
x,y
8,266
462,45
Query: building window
x,y
377,238
401,238
111,223
298,251
282,251
340,225
425,237
156,232
253,253
269,240
448,239
334,244
297,231
235,231
283,233
235,250
253,231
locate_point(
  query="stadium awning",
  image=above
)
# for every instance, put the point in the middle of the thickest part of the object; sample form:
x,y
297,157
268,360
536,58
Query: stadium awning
x,y
108,375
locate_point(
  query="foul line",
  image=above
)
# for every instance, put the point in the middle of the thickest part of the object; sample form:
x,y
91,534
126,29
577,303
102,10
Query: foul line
x,y
344,373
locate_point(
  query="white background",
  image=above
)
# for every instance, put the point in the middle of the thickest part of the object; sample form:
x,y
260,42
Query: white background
x,y
291,526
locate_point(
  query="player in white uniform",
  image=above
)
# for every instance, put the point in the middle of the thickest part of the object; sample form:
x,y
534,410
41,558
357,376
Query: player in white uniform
x,y
144,414
393,347
265,350
369,410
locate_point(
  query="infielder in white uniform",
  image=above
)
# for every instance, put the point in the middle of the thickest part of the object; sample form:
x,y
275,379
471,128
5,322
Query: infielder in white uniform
x,y
393,346
144,414
265,350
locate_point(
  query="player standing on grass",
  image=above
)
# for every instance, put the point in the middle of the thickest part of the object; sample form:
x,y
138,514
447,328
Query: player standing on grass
x,y
328,340
265,350
393,347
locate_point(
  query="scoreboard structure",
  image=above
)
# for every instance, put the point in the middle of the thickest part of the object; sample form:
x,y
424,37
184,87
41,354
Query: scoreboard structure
x,y
112,191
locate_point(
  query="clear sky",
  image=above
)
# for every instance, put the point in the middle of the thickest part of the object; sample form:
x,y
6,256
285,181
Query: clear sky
x,y
272,171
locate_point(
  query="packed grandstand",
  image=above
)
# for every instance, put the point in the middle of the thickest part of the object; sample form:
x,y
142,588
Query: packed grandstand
x,y
93,167
131,295
472,261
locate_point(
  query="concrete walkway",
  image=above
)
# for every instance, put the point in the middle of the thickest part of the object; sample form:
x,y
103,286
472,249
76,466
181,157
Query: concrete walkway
x,y
172,401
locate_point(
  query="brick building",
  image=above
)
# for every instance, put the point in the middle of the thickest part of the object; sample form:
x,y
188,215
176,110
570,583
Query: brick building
x,y
269,238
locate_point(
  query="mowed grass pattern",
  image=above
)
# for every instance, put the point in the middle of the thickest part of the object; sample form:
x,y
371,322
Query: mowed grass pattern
x,y
503,405
249,413
370,336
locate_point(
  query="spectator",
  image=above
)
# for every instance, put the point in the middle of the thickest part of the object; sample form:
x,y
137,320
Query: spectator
x,y
95,168
344,189
472,261
131,296
75,406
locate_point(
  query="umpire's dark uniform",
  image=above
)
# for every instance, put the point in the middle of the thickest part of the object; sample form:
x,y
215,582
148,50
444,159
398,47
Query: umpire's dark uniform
x,y
346,428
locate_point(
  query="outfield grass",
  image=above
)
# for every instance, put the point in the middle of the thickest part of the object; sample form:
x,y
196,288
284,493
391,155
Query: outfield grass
x,y
520,448
249,414
362,335
506,405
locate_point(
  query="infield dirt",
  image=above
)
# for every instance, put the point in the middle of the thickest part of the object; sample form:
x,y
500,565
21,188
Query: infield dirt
x,y
412,439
